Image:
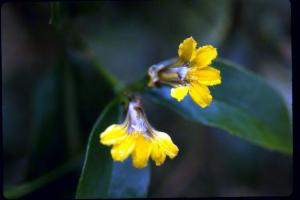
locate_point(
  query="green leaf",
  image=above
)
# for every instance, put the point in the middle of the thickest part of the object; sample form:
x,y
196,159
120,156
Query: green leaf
x,y
103,178
97,168
127,181
244,105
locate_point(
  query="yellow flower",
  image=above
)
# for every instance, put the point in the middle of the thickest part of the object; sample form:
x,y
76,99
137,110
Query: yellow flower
x,y
191,74
138,138
195,72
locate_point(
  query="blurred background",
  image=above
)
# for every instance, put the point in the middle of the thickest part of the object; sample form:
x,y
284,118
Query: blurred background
x,y
53,91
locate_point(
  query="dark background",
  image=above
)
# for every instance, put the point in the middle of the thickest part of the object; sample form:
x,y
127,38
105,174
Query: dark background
x,y
52,91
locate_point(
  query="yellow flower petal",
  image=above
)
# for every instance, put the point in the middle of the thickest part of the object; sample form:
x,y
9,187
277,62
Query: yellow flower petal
x,y
186,49
166,144
121,151
157,154
203,56
142,151
179,92
113,134
206,76
200,94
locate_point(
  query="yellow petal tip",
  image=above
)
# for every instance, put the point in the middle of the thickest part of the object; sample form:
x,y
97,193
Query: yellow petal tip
x,y
186,49
179,93
203,56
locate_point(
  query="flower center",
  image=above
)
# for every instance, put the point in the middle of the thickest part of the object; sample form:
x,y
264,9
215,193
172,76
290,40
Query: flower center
x,y
180,71
174,75
136,120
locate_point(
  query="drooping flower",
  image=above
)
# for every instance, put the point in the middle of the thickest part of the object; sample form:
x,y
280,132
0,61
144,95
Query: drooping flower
x,y
191,74
136,137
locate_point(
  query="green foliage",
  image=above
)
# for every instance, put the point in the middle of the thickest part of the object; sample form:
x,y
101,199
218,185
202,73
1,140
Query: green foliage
x,y
72,94
129,182
96,172
243,105
100,176
72,105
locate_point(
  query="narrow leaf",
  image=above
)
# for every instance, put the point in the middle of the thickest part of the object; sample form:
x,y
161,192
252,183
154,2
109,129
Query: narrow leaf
x,y
127,181
244,105
97,169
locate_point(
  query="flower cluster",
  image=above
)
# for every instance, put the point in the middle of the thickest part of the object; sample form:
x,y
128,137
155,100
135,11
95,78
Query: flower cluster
x,y
190,74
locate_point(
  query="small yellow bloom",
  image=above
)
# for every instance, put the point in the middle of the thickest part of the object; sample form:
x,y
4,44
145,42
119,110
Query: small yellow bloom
x,y
136,137
192,74
195,73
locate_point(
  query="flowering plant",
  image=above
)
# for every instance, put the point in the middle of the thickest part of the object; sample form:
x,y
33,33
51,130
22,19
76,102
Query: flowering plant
x,y
160,94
